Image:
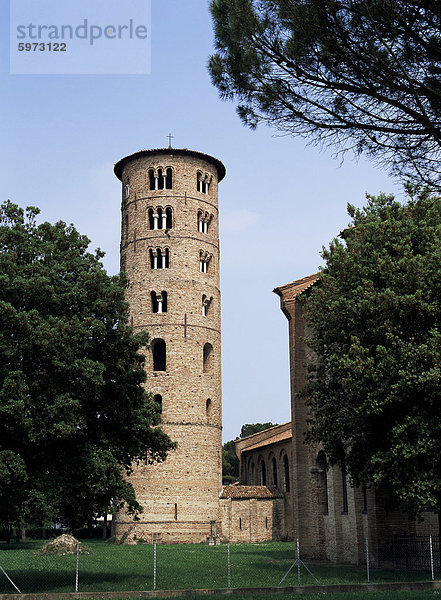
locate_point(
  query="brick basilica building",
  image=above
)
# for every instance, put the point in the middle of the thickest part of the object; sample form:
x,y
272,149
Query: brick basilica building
x,y
170,252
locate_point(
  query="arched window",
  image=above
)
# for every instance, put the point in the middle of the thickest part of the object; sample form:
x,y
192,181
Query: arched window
x,y
154,300
262,472
204,261
252,473
206,304
126,189
208,358
157,399
208,407
286,482
322,468
152,180
159,258
159,302
200,221
169,180
199,181
159,355
274,465
150,213
168,218
161,181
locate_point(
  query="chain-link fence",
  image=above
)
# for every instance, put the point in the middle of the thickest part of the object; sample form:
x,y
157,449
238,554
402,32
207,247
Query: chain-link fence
x,y
110,567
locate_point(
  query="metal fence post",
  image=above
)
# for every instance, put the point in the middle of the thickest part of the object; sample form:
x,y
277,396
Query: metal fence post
x,y
367,561
154,566
76,569
9,579
298,561
229,566
431,557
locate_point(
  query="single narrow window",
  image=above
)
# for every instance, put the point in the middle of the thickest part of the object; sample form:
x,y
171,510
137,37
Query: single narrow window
x,y
159,355
198,181
161,218
168,218
126,225
157,399
274,464
240,522
169,180
126,190
176,512
154,300
263,472
208,407
153,253
208,358
152,180
161,181
266,522
150,217
164,301
286,473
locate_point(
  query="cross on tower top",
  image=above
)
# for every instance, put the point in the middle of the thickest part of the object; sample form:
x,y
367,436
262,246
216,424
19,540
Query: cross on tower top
x,y
170,137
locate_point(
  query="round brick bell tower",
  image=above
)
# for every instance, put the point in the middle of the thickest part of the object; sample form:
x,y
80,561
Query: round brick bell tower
x,y
170,252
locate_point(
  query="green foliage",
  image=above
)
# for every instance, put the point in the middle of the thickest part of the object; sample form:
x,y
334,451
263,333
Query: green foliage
x,y
375,389
251,428
73,411
356,74
230,462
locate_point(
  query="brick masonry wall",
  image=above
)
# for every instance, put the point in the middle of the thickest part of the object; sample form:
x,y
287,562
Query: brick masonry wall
x,y
181,496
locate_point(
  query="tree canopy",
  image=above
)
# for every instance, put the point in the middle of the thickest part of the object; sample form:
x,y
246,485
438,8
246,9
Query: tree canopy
x,y
360,74
374,390
73,411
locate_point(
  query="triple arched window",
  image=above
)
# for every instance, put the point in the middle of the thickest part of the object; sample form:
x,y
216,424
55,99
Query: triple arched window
x,y
159,302
159,258
160,179
160,218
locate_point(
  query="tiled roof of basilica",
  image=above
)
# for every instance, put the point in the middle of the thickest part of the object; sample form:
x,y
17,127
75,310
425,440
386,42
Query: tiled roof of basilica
x,y
244,492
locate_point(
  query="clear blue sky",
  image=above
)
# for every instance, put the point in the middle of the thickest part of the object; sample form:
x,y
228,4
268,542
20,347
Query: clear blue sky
x,y
280,202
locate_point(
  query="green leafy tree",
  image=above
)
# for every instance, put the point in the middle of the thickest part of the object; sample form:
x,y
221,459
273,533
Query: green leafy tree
x,y
230,462
74,415
355,74
375,388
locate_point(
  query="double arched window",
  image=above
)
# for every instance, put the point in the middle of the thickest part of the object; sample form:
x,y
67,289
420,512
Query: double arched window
x,y
160,218
161,179
159,302
159,258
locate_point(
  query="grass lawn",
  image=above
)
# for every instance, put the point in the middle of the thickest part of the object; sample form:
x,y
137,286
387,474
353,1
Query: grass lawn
x,y
118,568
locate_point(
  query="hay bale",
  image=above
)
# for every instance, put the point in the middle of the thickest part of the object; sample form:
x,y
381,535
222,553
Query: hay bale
x,y
63,545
